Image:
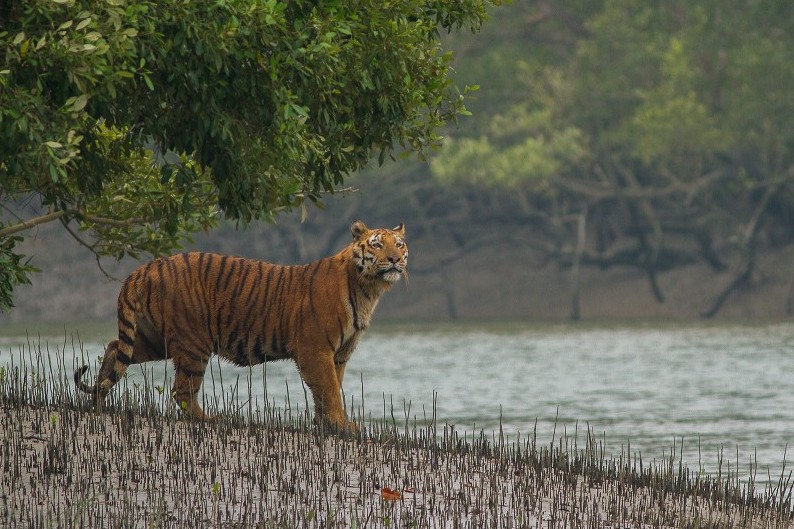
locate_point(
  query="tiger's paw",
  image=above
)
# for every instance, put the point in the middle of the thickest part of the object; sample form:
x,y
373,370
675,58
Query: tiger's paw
x,y
103,389
351,428
190,408
343,428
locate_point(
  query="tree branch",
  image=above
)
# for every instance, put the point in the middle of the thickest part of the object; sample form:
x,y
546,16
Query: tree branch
x,y
32,223
608,191
90,249
110,222
59,214
748,246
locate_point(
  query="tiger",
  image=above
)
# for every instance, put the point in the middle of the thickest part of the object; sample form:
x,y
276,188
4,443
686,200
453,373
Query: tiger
x,y
188,306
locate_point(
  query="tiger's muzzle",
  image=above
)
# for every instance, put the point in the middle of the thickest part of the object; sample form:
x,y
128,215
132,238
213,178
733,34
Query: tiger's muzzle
x,y
392,272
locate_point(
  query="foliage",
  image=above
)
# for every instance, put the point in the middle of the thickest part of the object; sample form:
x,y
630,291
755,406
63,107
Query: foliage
x,y
13,271
259,105
519,149
662,122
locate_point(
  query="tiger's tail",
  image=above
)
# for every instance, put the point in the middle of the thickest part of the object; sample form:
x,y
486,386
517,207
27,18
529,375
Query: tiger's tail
x,y
82,386
98,390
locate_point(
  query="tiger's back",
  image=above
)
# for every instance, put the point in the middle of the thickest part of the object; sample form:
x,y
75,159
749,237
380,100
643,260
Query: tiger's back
x,y
247,311
188,306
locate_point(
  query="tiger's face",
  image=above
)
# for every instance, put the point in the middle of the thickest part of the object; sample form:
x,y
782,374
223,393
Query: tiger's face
x,y
380,254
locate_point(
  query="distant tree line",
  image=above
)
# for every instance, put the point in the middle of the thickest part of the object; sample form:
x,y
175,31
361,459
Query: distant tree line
x,y
643,134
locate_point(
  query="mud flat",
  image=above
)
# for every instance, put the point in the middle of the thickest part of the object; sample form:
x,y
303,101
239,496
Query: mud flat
x,y
134,465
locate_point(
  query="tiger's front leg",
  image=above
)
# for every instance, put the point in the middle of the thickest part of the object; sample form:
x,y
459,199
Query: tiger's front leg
x,y
320,374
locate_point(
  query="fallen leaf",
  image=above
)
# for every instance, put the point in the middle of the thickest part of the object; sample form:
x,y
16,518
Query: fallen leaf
x,y
390,495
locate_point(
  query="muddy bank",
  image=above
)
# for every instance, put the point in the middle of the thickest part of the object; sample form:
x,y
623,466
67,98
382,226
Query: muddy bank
x,y
66,466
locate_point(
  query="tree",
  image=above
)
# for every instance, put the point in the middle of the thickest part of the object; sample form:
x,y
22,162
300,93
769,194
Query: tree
x,y
141,121
678,143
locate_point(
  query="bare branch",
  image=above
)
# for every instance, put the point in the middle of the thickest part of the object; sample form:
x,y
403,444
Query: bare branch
x,y
749,241
59,214
90,248
32,223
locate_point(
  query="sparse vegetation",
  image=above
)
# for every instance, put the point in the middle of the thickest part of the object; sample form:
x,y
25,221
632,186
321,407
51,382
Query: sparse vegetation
x,y
138,464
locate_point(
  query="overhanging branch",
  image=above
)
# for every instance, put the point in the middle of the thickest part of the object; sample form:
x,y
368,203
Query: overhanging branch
x,y
59,214
32,223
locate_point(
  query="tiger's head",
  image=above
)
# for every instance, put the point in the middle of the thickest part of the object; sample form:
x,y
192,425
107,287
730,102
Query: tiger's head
x,y
380,254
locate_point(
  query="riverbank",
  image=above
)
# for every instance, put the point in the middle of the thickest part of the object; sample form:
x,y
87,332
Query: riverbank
x,y
447,283
65,465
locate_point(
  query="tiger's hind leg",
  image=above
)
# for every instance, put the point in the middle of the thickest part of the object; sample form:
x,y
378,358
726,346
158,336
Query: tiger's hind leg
x,y
189,368
144,349
119,353
98,390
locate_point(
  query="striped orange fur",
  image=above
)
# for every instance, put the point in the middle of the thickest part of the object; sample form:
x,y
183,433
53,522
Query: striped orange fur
x,y
189,306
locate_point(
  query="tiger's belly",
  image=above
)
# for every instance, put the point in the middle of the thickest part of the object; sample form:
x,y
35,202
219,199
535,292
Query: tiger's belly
x,y
252,350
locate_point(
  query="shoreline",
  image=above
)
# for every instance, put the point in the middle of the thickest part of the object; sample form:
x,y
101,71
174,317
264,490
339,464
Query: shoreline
x,y
67,466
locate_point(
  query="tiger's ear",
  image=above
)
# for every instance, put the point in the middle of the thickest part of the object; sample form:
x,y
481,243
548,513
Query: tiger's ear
x,y
358,229
400,229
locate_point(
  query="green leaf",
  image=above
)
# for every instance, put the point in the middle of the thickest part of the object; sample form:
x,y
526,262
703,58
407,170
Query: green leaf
x,y
79,103
300,110
54,176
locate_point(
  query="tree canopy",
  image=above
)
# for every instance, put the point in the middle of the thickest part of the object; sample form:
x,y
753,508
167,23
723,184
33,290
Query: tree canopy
x,y
140,121
664,127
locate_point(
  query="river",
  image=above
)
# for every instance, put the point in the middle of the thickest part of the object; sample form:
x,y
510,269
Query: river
x,y
708,392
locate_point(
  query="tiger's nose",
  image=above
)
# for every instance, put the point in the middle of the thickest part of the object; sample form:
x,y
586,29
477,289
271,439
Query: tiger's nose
x,y
393,258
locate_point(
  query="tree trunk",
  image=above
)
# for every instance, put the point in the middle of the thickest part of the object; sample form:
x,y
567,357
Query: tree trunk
x,y
748,246
581,234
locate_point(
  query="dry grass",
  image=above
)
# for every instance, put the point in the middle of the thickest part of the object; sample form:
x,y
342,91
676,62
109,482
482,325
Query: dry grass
x,y
138,465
